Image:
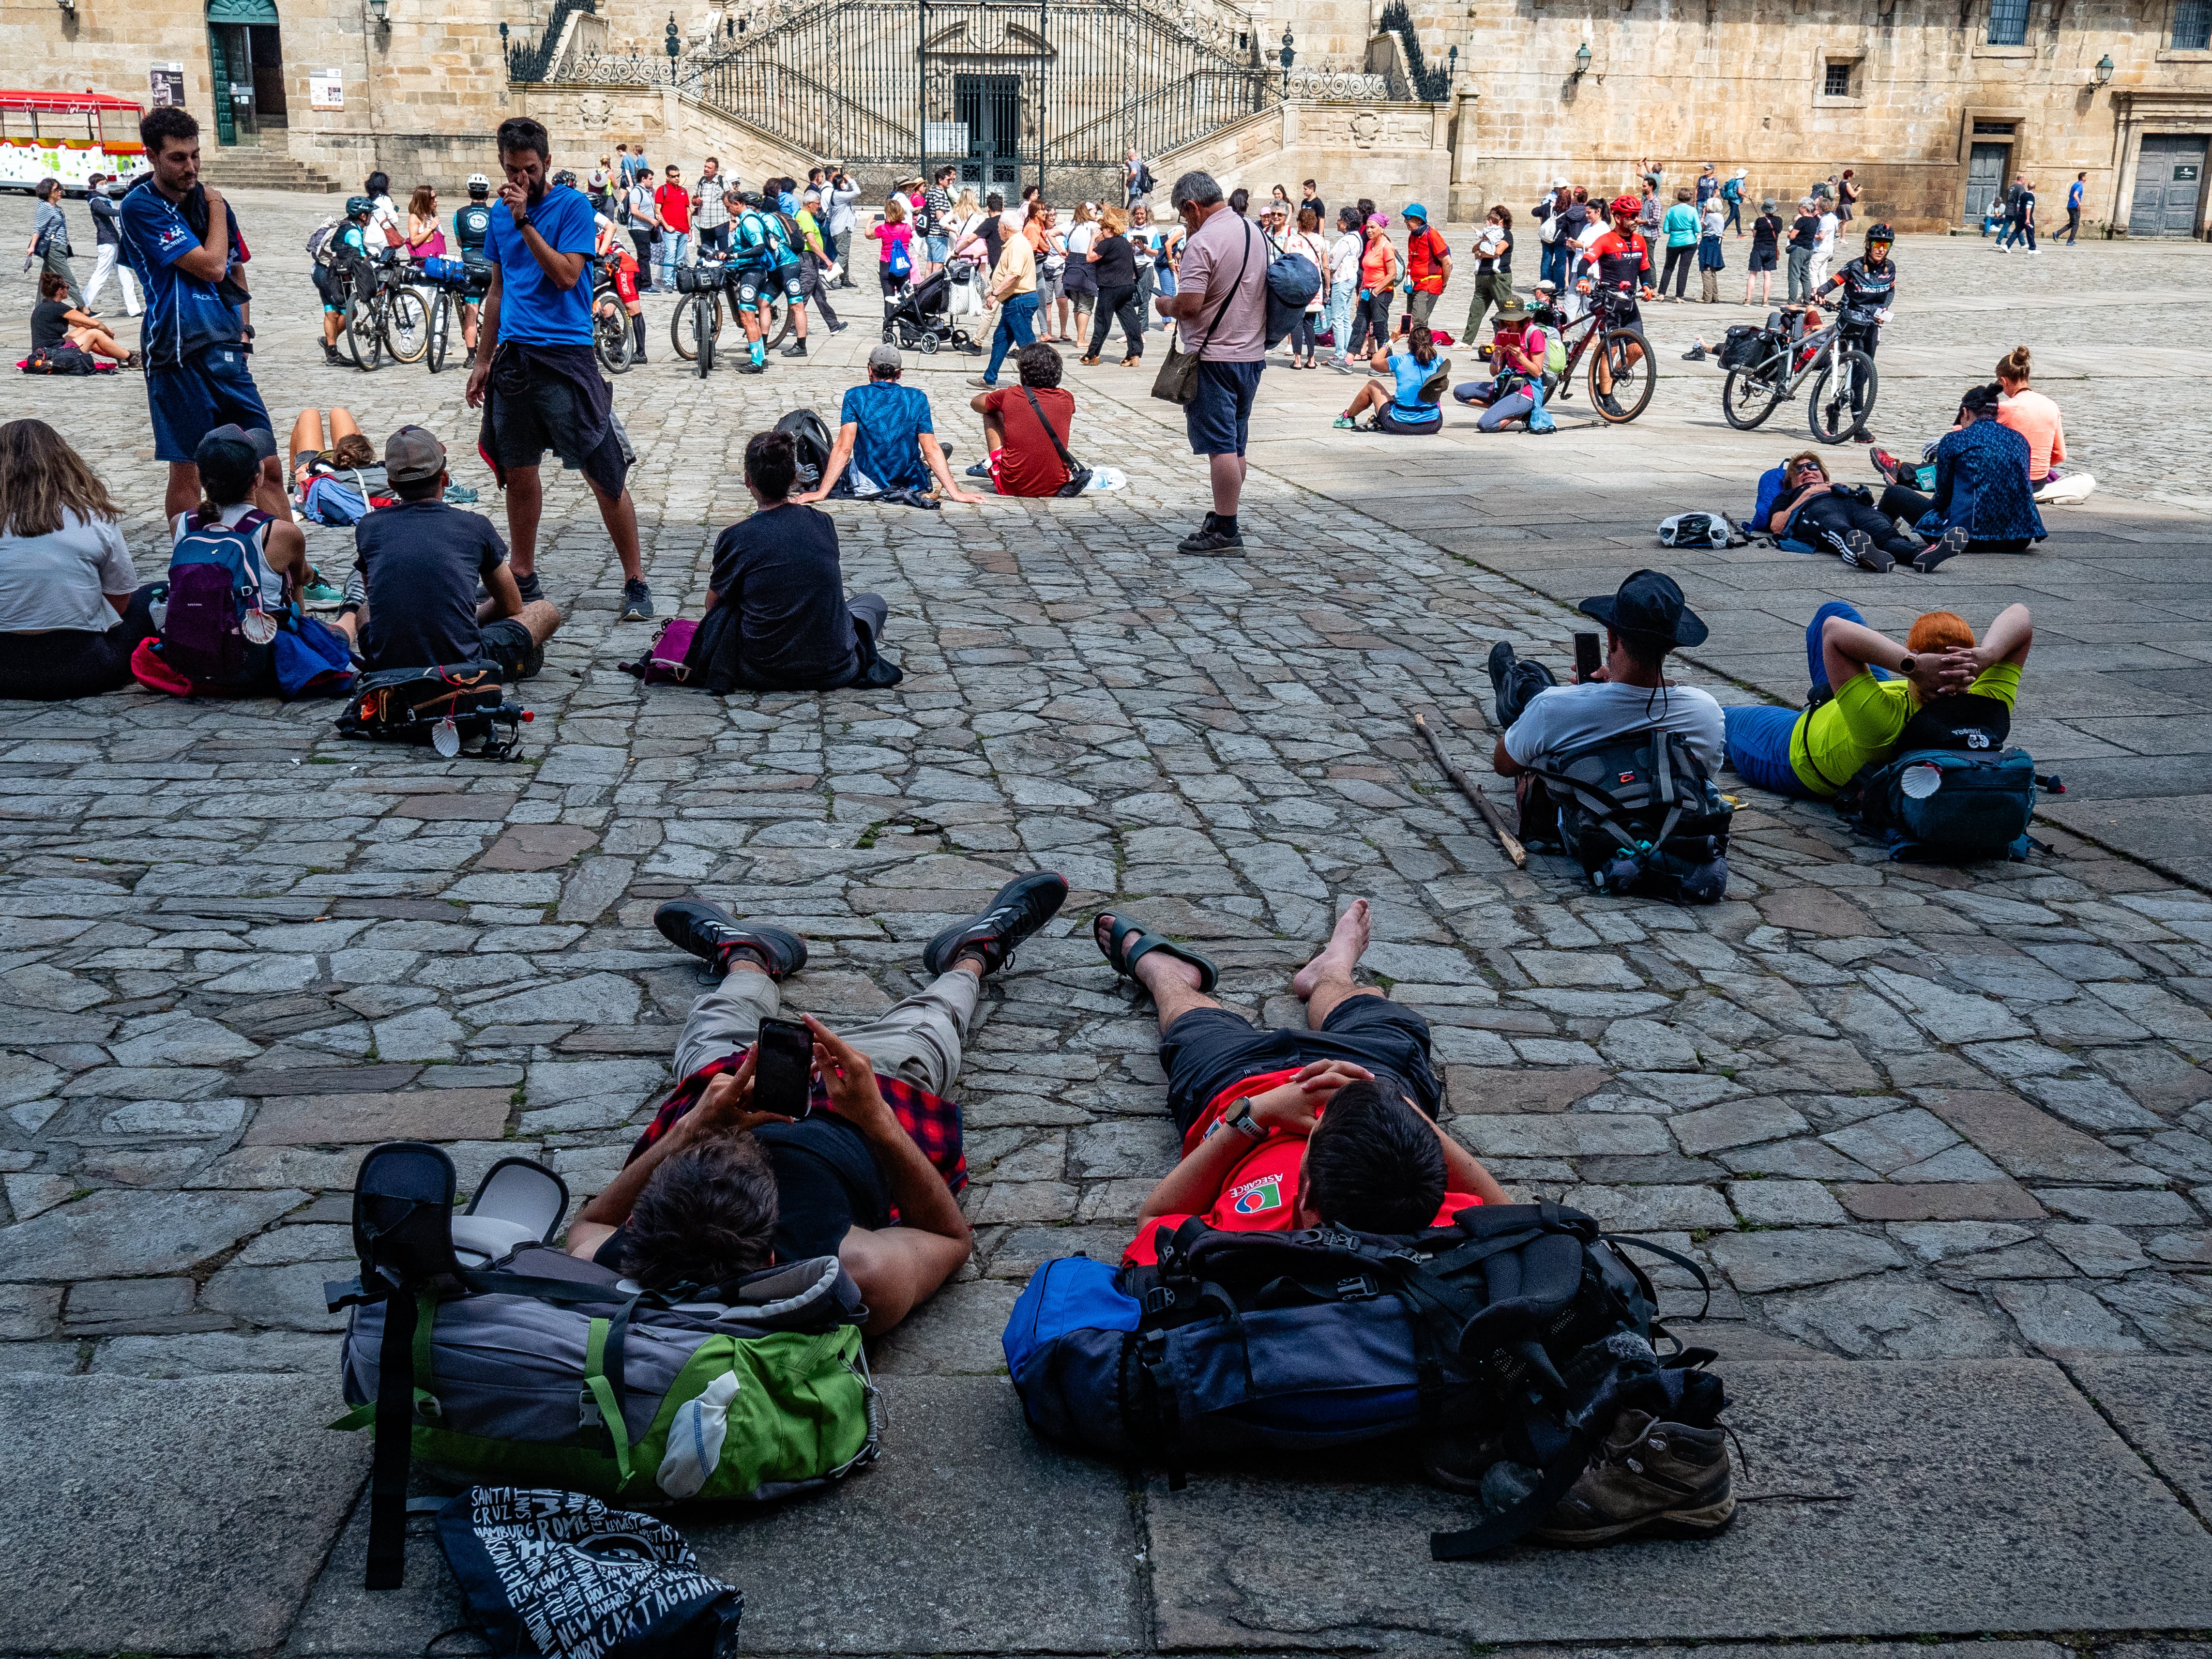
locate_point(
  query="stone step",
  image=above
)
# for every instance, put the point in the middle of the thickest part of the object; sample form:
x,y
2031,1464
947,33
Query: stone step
x,y
252,167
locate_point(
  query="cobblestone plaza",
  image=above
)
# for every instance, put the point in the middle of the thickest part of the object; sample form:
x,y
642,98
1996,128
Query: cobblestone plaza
x,y
1941,1137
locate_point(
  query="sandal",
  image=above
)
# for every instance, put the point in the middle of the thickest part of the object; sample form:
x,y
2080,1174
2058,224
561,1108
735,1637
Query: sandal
x,y
1122,953
1088,362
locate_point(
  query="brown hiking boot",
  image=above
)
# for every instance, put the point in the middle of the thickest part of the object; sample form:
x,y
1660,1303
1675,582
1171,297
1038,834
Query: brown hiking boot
x,y
1664,1478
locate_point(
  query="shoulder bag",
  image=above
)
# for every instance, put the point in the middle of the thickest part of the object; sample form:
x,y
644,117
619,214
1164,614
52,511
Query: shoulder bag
x,y
1177,382
1078,476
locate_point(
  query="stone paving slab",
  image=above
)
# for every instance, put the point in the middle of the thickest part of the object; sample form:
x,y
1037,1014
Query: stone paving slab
x,y
2163,1407
1889,1500
186,1516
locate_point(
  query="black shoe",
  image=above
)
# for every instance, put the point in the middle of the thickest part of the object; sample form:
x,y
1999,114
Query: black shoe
x,y
530,587
1017,910
796,349
839,328
1860,550
637,603
981,469
333,356
1211,541
1502,663
1954,542
714,936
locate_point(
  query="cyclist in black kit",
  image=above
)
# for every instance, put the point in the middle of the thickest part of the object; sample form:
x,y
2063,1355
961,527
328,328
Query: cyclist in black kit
x,y
1869,286
470,223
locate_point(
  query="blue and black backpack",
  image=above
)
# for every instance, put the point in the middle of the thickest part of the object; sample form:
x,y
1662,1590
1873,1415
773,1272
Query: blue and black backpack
x,y
1952,793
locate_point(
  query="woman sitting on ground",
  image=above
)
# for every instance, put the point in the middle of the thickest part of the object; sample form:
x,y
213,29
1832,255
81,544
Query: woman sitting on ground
x,y
1815,509
1982,488
71,609
1518,348
1859,713
1419,377
55,323
2032,415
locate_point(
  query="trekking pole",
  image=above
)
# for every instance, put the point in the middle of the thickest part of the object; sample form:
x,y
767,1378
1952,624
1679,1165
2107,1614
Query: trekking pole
x,y
1507,842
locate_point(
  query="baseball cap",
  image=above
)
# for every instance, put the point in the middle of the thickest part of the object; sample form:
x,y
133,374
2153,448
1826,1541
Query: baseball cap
x,y
412,454
884,356
259,439
1414,210
1648,603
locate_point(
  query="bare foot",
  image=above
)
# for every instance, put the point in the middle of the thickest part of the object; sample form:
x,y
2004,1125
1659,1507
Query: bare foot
x,y
1340,955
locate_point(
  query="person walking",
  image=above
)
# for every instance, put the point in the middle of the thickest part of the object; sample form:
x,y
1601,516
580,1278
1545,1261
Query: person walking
x,y
1732,197
1679,226
1494,271
1823,245
108,232
1220,309
1804,236
1014,291
2072,216
674,203
839,193
814,259
1847,195
50,239
1113,260
2010,237
2023,224
536,379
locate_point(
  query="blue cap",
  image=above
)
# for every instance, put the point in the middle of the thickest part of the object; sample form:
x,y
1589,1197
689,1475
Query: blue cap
x,y
1414,211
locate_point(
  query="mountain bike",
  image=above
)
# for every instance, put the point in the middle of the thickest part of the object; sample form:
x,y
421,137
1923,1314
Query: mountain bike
x,y
445,321
611,329
699,315
1842,377
384,317
1622,374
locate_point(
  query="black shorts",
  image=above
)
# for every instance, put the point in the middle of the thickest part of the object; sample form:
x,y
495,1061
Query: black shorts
x,y
508,643
530,413
1762,258
1209,1050
1387,419
755,281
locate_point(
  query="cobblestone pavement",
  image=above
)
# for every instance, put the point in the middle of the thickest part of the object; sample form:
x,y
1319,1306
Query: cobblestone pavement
x,y
1903,1112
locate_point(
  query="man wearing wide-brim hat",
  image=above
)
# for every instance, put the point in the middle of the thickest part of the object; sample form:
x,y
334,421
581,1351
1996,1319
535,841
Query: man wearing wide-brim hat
x,y
1518,350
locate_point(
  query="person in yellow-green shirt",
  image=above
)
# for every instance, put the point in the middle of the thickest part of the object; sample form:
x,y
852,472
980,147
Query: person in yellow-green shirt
x,y
1953,691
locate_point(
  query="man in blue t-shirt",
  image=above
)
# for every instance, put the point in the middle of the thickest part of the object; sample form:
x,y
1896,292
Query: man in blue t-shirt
x,y
539,384
883,433
194,340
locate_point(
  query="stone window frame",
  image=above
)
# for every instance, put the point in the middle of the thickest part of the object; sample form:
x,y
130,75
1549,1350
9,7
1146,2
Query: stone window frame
x,y
2167,51
1982,46
1855,98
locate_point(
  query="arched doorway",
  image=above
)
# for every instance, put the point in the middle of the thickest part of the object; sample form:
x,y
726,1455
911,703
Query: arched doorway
x,y
245,67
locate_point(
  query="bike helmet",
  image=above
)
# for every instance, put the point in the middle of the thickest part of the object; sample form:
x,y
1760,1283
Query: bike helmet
x,y
565,176
1879,234
1626,207
478,184
358,205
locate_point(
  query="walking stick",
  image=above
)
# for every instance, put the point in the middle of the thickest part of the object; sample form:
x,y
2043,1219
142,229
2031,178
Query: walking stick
x,y
1506,840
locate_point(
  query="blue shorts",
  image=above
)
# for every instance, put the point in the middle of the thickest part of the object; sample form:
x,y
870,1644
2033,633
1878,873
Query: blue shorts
x,y
1210,1049
1219,417
211,389
940,248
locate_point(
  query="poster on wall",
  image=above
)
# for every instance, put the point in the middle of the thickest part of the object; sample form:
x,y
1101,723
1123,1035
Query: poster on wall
x,y
325,89
165,86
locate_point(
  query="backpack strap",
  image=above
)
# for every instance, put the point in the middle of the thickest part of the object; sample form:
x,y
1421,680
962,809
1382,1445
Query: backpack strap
x,y
1066,461
406,1329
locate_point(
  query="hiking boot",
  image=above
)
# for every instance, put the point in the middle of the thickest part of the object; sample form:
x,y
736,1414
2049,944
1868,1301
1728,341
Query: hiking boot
x,y
529,587
1017,910
715,936
333,356
534,661
1664,1478
637,603
796,349
1954,542
1210,539
1860,550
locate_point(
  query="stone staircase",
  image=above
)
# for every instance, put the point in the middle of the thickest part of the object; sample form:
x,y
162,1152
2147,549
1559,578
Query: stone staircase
x,y
263,167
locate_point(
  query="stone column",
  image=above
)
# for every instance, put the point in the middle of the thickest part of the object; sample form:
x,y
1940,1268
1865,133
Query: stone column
x,y
2124,187
1467,201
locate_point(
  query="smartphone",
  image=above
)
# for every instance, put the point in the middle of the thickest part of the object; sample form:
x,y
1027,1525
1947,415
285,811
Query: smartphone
x,y
783,1063
1586,656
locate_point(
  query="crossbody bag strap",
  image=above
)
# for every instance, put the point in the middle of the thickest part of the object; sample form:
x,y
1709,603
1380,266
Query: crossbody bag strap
x,y
1223,309
1059,449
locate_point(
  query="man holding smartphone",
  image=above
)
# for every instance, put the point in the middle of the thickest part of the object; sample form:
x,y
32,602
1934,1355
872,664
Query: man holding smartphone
x,y
746,1165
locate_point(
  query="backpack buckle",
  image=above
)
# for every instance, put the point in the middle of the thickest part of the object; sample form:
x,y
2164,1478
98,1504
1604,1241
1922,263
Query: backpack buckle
x,y
589,1409
1159,1299
1360,1287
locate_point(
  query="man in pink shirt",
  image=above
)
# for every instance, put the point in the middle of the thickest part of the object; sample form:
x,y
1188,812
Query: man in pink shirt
x,y
1220,306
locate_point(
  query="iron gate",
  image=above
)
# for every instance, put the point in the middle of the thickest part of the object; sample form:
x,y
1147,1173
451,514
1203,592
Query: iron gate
x,y
1011,92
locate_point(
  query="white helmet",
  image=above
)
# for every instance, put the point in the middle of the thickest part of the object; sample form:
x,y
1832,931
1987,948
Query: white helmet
x,y
478,184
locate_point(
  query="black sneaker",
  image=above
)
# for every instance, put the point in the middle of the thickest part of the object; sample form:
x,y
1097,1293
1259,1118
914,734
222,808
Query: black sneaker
x,y
839,328
1210,539
333,356
796,349
530,587
1502,661
1017,910
749,366
637,603
1954,542
1860,550
714,935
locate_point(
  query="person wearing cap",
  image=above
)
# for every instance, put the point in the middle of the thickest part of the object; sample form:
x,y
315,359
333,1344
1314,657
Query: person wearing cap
x,y
1765,253
107,229
539,386
472,230
814,261
1541,720
884,434
1518,349
1220,310
1708,185
412,603
1984,502
1428,267
1859,714
230,463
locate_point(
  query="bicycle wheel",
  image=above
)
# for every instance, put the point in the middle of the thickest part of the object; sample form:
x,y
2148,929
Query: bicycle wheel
x,y
705,331
364,330
441,332
1627,354
776,319
1749,396
1828,411
610,337
406,326
682,328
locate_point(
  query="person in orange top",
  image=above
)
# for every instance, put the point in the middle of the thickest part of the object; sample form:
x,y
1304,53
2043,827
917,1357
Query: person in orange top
x,y
1428,266
1247,1100
2032,415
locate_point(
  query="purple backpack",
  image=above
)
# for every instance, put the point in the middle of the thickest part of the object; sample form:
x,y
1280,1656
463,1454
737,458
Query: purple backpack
x,y
663,661
215,592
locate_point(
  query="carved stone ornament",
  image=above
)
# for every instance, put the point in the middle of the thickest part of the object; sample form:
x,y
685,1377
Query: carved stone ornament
x,y
1366,126
1337,86
595,110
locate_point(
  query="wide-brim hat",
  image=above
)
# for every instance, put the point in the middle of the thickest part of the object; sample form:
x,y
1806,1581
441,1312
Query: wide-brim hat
x,y
1649,603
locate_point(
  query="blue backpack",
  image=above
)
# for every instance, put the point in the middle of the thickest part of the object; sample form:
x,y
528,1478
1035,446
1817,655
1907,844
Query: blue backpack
x,y
1947,805
216,576
1518,1328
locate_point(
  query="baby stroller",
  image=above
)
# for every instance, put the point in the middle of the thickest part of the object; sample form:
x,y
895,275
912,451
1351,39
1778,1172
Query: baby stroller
x,y
937,311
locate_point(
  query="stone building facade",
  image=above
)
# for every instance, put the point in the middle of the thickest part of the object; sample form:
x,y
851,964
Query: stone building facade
x,y
1934,103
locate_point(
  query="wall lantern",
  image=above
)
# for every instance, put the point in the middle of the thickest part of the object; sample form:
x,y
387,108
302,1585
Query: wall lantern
x,y
1286,57
1581,60
2103,71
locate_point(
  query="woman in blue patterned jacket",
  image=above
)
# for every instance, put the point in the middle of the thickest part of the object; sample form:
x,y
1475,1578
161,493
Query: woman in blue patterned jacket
x,y
1981,484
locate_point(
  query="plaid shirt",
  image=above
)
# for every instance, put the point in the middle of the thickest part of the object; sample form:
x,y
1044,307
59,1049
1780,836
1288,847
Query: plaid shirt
x,y
932,1124
712,210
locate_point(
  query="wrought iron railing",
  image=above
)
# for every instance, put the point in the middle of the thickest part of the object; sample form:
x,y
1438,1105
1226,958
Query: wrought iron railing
x,y
533,60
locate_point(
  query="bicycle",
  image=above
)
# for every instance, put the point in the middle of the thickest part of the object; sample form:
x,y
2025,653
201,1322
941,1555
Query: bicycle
x,y
1625,355
699,316
444,320
611,329
384,317
1842,376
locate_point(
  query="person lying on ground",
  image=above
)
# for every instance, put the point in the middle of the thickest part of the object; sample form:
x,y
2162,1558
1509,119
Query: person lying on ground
x,y
1407,403
71,609
1518,347
1543,720
717,1186
1291,1128
336,474
1983,502
55,322
778,571
411,602
1858,713
1815,509
885,436
1022,458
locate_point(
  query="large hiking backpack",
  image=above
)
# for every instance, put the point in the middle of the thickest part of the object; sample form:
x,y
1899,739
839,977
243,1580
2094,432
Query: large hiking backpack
x,y
1515,1335
215,632
1946,805
1744,345
810,438
449,708
1640,814
478,1348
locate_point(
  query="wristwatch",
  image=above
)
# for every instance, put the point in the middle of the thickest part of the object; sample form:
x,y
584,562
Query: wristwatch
x,y
1906,667
1241,1119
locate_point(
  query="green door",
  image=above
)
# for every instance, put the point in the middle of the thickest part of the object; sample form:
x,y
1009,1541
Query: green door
x,y
242,64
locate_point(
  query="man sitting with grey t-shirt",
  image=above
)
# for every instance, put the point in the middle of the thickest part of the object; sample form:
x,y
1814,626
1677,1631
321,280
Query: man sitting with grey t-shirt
x,y
1543,720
